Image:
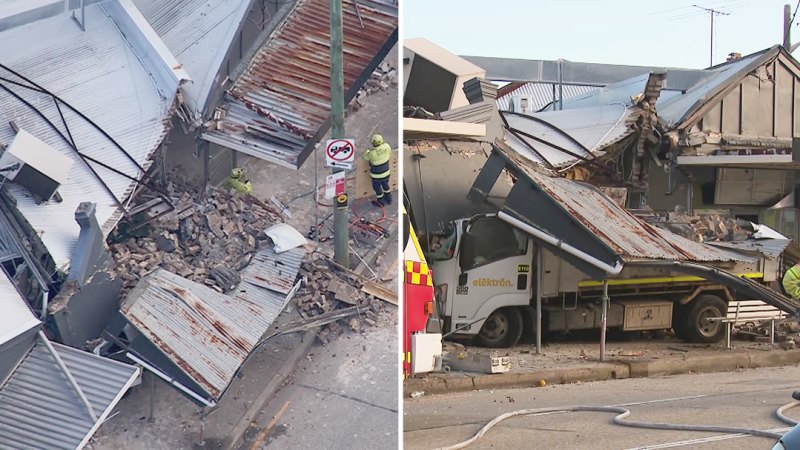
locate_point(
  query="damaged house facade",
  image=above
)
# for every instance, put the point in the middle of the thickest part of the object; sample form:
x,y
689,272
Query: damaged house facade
x,y
713,141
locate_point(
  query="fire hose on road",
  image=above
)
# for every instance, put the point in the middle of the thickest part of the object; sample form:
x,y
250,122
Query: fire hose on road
x,y
624,413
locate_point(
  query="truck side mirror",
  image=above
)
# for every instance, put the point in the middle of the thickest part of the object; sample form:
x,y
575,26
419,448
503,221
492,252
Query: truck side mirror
x,y
466,254
462,279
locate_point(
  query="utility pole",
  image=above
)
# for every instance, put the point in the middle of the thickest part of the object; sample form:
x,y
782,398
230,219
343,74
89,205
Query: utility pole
x,y
712,12
341,234
787,27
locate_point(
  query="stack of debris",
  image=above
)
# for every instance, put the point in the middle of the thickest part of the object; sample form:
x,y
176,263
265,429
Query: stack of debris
x,y
380,80
207,241
324,289
706,228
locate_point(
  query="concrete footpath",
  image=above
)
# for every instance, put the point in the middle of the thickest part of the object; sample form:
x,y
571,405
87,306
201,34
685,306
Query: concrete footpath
x,y
555,370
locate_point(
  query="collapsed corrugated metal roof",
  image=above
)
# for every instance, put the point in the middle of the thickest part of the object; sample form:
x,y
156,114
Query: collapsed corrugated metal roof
x,y
580,215
683,91
198,33
114,75
561,137
205,335
279,107
40,408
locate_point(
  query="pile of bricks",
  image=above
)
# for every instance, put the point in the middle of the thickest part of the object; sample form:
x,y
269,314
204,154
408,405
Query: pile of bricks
x,y
382,77
707,228
207,241
324,289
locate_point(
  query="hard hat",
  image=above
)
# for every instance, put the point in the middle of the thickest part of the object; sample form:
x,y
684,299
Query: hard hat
x,y
376,140
237,172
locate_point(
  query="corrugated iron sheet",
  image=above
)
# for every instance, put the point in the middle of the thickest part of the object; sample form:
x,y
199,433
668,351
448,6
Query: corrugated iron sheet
x,y
16,317
623,232
274,271
198,33
280,106
542,94
40,409
9,247
205,333
98,72
581,132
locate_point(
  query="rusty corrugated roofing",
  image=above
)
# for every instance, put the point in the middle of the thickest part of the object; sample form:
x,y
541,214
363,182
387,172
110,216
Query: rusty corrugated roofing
x,y
205,333
280,106
274,271
629,236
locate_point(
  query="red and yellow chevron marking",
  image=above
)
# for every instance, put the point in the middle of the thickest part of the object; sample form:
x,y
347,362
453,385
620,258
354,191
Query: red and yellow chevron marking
x,y
418,273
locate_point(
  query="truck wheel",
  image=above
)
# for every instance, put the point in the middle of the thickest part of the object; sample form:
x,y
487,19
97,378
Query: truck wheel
x,y
502,329
679,321
697,327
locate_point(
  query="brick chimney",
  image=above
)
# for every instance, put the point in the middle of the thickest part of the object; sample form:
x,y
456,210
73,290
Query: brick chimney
x,y
734,56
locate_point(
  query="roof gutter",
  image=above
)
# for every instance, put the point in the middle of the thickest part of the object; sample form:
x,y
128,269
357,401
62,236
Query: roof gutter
x,y
170,380
580,254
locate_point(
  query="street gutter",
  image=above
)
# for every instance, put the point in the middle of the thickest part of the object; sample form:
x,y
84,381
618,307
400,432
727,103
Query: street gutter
x,y
463,382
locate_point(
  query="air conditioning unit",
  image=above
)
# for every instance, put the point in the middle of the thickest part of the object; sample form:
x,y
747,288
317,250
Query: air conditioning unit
x,y
35,165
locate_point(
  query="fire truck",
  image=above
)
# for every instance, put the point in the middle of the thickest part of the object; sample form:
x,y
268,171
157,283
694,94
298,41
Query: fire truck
x,y
422,350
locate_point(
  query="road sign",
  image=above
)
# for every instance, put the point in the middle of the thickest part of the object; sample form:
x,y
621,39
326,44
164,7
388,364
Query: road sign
x,y
340,153
334,185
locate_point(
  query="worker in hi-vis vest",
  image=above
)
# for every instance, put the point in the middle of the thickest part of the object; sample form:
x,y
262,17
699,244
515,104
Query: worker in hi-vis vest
x,y
791,282
378,158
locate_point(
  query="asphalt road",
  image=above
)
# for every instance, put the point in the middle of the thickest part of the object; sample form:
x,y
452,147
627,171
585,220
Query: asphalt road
x,y
745,398
343,396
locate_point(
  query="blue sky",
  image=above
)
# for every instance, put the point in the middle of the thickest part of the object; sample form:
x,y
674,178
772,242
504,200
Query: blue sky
x,y
639,32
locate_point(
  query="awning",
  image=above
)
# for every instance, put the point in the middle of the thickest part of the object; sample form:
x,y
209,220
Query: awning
x,y
577,215
197,338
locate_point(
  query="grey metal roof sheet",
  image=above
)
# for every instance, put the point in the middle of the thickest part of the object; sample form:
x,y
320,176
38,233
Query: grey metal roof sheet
x,y
15,315
542,95
770,247
198,33
39,409
582,131
9,245
274,271
280,106
101,73
618,228
597,74
674,109
206,333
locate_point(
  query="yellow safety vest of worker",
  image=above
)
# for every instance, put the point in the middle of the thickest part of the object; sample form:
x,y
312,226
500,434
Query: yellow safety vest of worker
x,y
791,282
378,157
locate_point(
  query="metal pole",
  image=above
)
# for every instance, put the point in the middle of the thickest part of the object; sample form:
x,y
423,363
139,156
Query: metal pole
x,y
539,268
316,196
787,27
603,320
560,86
712,40
341,235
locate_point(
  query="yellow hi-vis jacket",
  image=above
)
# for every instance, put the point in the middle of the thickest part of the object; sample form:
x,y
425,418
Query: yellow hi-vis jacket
x,y
791,282
378,158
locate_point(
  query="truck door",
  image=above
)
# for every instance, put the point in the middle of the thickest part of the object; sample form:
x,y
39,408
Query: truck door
x,y
495,263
